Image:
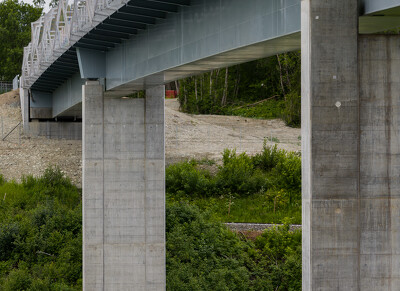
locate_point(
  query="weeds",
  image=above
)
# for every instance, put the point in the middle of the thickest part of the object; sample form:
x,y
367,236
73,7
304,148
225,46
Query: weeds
x,y
263,188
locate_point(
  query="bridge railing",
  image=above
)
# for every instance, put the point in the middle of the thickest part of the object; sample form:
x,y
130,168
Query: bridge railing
x,y
5,87
56,31
15,82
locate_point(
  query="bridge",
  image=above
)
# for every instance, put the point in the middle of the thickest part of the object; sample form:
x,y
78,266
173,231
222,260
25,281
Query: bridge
x,y
86,55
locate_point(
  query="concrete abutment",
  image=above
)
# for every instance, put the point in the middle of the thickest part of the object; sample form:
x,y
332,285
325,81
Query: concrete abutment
x,y
350,151
123,191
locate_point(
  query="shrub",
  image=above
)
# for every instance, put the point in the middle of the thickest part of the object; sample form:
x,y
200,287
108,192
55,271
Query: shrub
x,y
2,180
40,234
8,235
292,111
237,175
268,158
202,254
185,178
288,173
280,251
17,280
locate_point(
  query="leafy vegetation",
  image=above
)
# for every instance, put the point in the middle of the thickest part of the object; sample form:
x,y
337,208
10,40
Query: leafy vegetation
x,y
41,227
264,188
40,234
15,34
266,88
203,255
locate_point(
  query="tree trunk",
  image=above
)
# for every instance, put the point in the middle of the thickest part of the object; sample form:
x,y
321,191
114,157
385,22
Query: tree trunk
x,y
281,77
211,83
195,87
185,100
177,87
195,93
201,87
225,94
287,73
216,86
237,83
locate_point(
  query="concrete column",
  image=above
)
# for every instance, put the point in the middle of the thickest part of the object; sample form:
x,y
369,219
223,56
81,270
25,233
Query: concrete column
x,y
350,152
379,74
124,191
24,100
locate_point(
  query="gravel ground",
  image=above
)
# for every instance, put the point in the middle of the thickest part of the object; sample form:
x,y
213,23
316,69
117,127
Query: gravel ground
x,y
187,136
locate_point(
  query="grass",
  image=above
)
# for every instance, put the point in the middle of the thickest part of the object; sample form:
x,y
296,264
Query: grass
x,y
251,209
265,188
270,109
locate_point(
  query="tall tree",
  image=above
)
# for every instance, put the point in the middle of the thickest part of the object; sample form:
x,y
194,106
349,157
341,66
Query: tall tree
x,y
15,34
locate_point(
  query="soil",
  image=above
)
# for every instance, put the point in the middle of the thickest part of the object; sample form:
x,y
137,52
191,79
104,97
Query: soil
x,y
21,155
186,136
206,136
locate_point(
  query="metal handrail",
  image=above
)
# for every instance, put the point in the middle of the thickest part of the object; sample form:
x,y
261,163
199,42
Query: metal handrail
x,y
54,32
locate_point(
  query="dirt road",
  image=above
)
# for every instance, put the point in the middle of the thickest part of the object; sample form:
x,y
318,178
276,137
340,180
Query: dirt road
x,y
187,136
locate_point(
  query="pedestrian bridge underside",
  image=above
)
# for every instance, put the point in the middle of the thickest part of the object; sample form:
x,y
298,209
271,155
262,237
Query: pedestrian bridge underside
x,y
137,44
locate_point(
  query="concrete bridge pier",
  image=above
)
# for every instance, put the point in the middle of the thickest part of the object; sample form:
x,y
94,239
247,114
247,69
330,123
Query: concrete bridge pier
x,y
351,151
123,191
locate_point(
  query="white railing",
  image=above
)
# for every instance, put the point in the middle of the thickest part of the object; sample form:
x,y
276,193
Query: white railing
x,y
15,83
59,29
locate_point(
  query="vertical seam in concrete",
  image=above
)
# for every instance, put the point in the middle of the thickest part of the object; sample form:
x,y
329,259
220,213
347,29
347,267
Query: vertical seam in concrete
x,y
145,187
388,113
164,229
103,121
358,162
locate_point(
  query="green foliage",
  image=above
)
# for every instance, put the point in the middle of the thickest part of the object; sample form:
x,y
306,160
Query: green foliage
x,y
41,240
255,208
15,34
40,234
237,175
270,109
268,158
292,111
279,251
288,173
264,188
2,180
266,88
204,255
186,179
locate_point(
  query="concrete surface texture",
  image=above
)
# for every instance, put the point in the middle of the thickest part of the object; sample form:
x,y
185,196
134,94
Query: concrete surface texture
x,y
350,152
123,191
24,101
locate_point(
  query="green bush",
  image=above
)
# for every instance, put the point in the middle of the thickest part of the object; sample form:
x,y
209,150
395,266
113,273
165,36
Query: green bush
x,y
41,243
201,254
204,255
288,173
268,158
186,179
2,180
238,176
41,234
292,112
17,280
279,250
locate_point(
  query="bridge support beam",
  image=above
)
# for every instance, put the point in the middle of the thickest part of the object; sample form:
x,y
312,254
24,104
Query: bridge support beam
x,y
351,151
123,191
24,101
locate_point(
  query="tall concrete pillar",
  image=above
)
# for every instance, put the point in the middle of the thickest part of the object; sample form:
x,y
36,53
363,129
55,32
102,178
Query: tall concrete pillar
x,y
350,152
123,191
24,101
